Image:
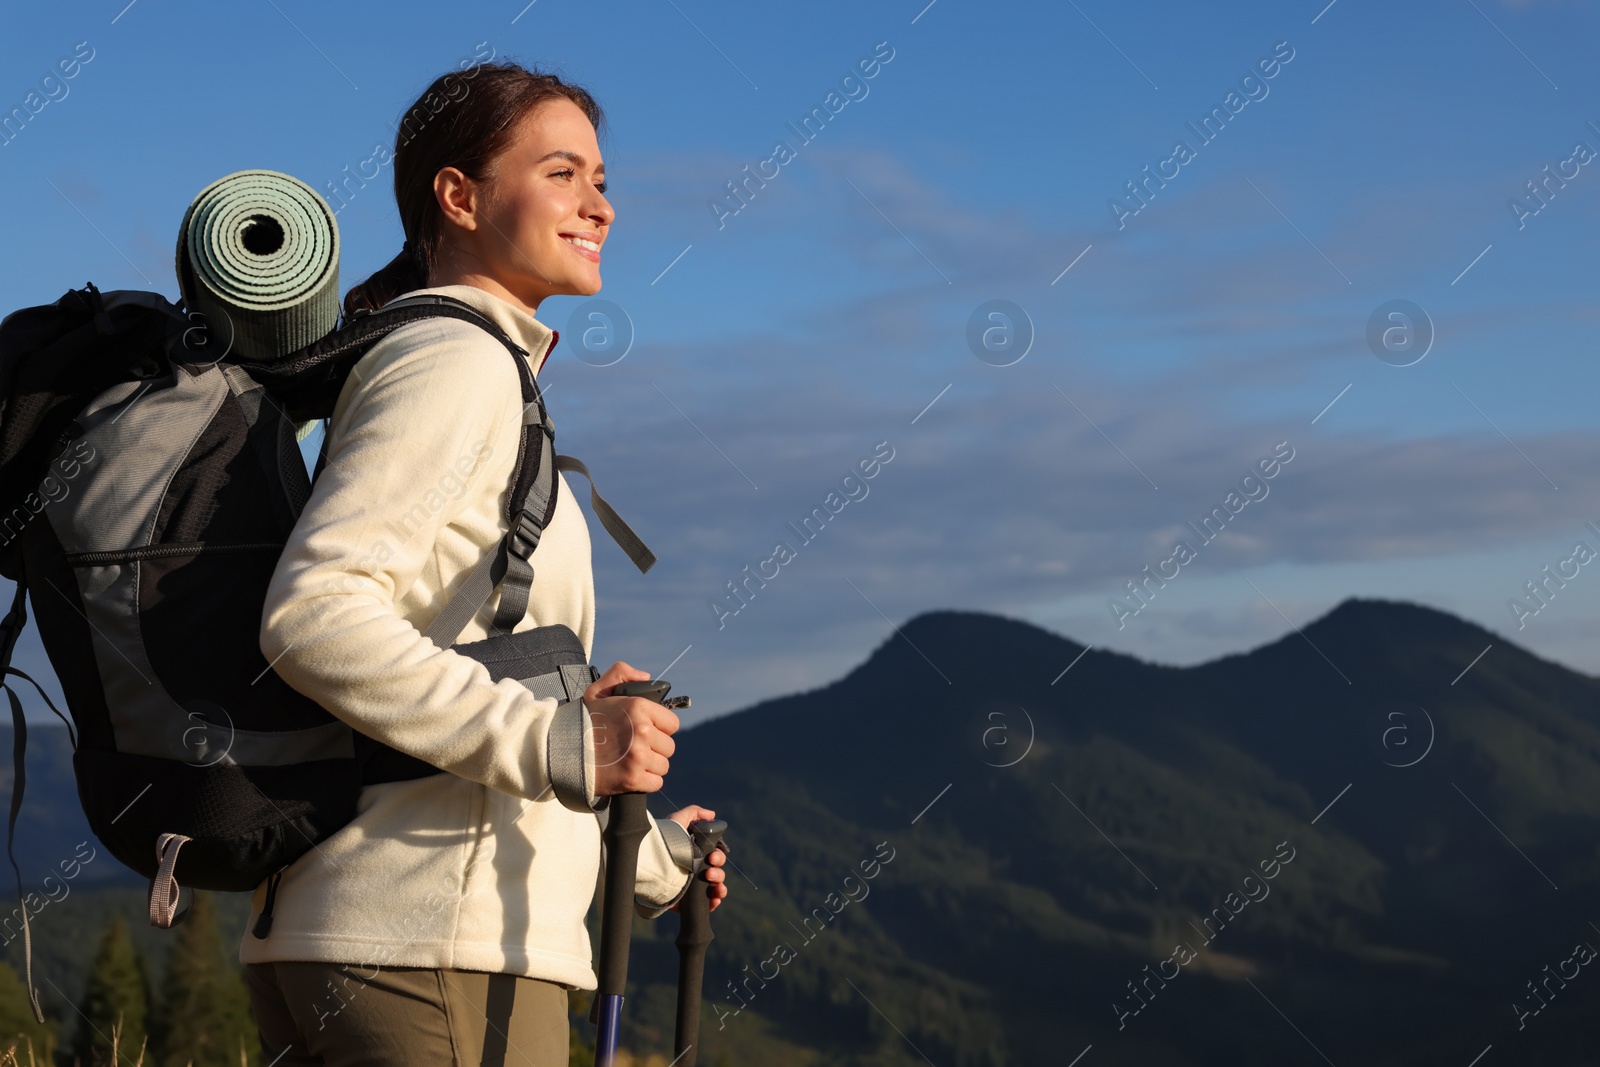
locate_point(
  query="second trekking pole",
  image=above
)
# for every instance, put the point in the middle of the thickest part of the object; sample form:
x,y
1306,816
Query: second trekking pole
x,y
626,825
694,935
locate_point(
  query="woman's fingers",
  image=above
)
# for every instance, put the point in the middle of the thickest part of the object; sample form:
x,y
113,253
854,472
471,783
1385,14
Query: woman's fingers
x,y
715,878
692,814
633,743
644,769
662,743
614,676
661,717
642,773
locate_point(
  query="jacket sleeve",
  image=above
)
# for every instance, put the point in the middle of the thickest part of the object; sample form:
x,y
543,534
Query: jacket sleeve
x,y
419,416
666,860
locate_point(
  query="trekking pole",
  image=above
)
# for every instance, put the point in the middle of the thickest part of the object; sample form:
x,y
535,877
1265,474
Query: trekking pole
x,y
626,826
694,935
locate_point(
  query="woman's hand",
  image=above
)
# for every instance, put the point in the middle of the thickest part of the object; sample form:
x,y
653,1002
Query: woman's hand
x,y
714,874
632,735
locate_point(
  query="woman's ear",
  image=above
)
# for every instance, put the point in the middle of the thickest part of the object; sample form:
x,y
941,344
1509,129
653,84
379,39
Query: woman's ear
x,y
458,197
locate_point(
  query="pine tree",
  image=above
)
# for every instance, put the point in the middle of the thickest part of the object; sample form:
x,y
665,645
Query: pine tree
x,y
117,996
17,1026
205,1010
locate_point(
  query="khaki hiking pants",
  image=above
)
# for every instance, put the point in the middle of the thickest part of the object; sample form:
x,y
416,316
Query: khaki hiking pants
x,y
350,1015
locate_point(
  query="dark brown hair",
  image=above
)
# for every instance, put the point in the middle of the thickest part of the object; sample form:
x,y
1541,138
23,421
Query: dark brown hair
x,y
469,130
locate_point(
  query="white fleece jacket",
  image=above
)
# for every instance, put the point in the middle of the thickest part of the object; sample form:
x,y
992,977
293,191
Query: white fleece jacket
x,y
483,868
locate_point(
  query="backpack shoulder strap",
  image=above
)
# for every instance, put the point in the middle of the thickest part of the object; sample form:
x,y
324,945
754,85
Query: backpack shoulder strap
x,y
527,470
11,629
507,565
533,488
534,485
15,620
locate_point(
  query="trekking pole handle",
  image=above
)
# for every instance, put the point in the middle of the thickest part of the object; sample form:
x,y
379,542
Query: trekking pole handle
x,y
654,689
707,835
626,826
624,829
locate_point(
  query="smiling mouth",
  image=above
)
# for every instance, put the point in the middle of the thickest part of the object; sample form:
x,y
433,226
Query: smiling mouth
x,y
587,249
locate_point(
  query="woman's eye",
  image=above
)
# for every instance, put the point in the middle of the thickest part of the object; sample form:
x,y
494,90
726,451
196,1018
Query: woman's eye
x,y
569,172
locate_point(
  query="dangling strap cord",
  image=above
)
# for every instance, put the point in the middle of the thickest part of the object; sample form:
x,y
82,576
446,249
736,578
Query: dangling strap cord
x,y
164,887
620,531
263,925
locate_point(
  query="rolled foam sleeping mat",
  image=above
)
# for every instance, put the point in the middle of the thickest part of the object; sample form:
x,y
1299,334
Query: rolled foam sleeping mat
x,y
258,256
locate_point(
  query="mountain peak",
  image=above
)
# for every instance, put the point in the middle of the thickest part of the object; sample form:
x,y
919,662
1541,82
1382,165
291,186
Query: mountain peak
x,y
1370,616
955,641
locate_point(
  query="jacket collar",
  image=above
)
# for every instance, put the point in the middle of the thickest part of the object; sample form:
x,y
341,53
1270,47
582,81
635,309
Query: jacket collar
x,y
518,323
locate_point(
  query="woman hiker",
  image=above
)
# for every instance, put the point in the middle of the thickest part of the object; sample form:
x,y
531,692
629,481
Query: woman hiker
x,y
445,924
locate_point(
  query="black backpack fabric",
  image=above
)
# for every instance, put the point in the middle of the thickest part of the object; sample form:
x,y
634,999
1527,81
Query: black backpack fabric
x,y
149,481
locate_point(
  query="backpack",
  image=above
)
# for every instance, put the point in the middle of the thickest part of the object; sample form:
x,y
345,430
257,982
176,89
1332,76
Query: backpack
x,y
147,487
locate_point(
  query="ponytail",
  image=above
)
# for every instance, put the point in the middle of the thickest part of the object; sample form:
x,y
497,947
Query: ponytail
x,y
401,274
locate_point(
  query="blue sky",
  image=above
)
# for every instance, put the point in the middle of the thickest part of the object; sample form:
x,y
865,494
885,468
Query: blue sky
x,y
772,352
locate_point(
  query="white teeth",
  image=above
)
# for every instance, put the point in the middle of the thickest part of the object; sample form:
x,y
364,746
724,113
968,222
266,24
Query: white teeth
x,y
581,243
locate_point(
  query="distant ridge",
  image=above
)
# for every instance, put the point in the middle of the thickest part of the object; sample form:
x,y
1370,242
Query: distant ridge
x,y
1055,835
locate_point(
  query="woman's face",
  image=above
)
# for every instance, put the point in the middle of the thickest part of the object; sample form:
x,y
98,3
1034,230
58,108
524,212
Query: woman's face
x,y
546,193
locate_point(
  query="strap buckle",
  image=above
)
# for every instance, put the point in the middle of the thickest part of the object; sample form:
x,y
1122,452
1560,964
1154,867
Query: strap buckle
x,y
535,413
525,538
